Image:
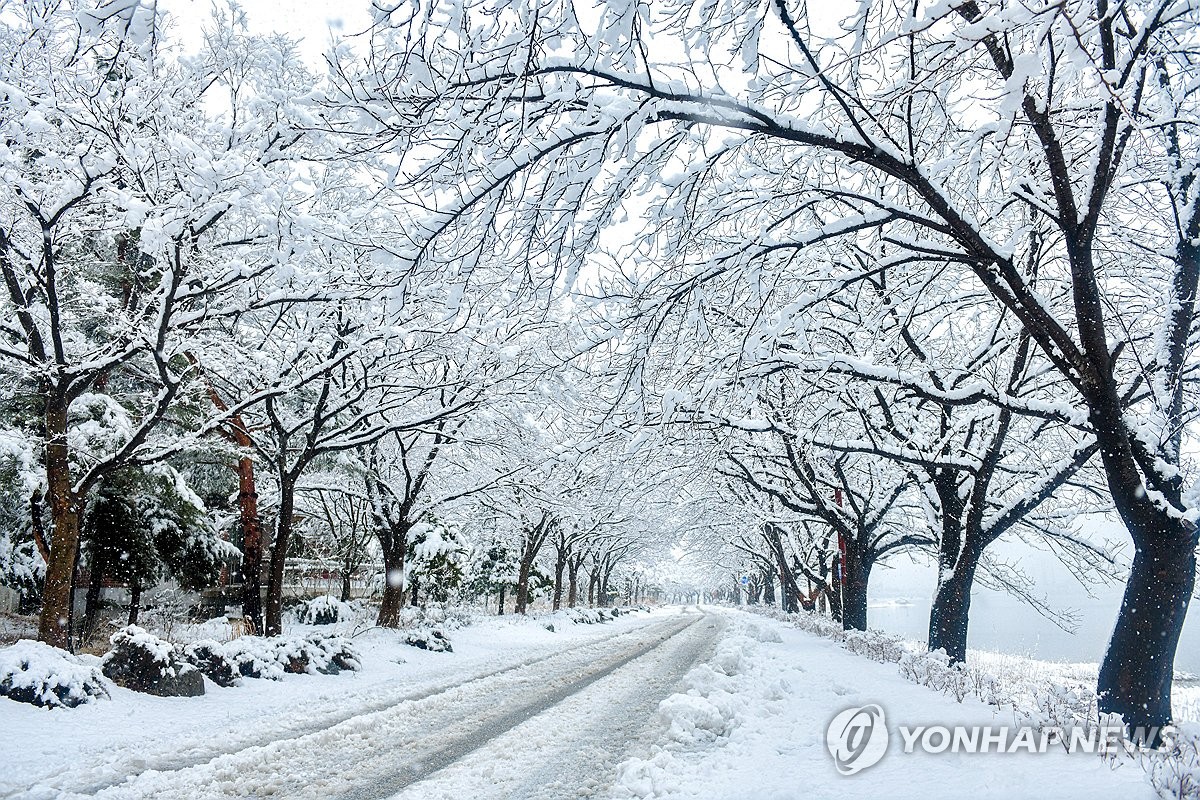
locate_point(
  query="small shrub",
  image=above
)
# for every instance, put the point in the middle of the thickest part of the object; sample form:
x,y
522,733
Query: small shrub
x,y
36,673
209,657
429,639
255,657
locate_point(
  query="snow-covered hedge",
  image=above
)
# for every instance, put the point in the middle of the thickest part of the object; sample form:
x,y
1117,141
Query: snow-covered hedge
x,y
315,654
33,672
271,658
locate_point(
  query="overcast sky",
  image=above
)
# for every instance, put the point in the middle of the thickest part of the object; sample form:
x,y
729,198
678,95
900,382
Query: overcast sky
x,y
309,21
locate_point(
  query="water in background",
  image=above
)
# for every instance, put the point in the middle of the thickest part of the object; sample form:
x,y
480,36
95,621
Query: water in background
x,y
900,598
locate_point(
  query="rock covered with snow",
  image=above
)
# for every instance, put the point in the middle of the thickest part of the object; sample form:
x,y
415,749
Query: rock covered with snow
x,y
33,672
145,663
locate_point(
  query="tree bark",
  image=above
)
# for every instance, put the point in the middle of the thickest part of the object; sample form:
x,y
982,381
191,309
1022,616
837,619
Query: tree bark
x,y
560,565
394,544
856,575
135,603
64,540
252,545
283,534
522,601
834,595
950,613
1137,670
572,584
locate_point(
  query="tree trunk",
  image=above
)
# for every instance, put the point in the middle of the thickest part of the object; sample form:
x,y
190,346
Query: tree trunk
x,y
283,534
414,591
135,602
951,609
560,564
64,540
252,545
572,585
1136,673
856,574
834,595
345,596
501,604
522,601
604,596
91,604
394,544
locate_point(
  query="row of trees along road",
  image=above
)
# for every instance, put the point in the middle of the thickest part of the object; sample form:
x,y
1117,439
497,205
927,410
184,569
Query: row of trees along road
x,y
907,281
1019,180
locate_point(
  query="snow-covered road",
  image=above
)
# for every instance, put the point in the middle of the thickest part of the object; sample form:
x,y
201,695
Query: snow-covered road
x,y
447,738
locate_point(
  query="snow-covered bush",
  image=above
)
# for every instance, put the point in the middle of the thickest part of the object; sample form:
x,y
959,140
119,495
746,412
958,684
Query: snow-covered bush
x,y
875,646
336,654
209,657
316,654
141,661
429,639
324,610
255,657
33,672
1174,769
589,616
258,657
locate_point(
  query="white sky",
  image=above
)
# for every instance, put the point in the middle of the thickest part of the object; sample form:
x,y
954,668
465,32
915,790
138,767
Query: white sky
x,y
310,21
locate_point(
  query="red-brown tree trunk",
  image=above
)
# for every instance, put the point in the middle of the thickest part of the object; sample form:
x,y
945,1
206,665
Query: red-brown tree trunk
x,y
64,538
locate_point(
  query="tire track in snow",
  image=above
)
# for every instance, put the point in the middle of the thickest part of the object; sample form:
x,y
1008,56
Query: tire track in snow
x,y
652,688
573,749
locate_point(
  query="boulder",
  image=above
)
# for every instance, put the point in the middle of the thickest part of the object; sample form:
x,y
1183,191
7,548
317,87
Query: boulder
x,y
144,663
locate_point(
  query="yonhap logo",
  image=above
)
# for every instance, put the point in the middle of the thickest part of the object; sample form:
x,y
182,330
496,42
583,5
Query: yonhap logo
x,y
857,738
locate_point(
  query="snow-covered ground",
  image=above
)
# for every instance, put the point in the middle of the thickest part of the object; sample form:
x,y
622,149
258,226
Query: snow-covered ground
x,y
753,723
706,703
93,747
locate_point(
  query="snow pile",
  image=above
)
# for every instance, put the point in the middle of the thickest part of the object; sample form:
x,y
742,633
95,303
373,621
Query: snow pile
x,y
430,639
33,672
142,662
715,702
